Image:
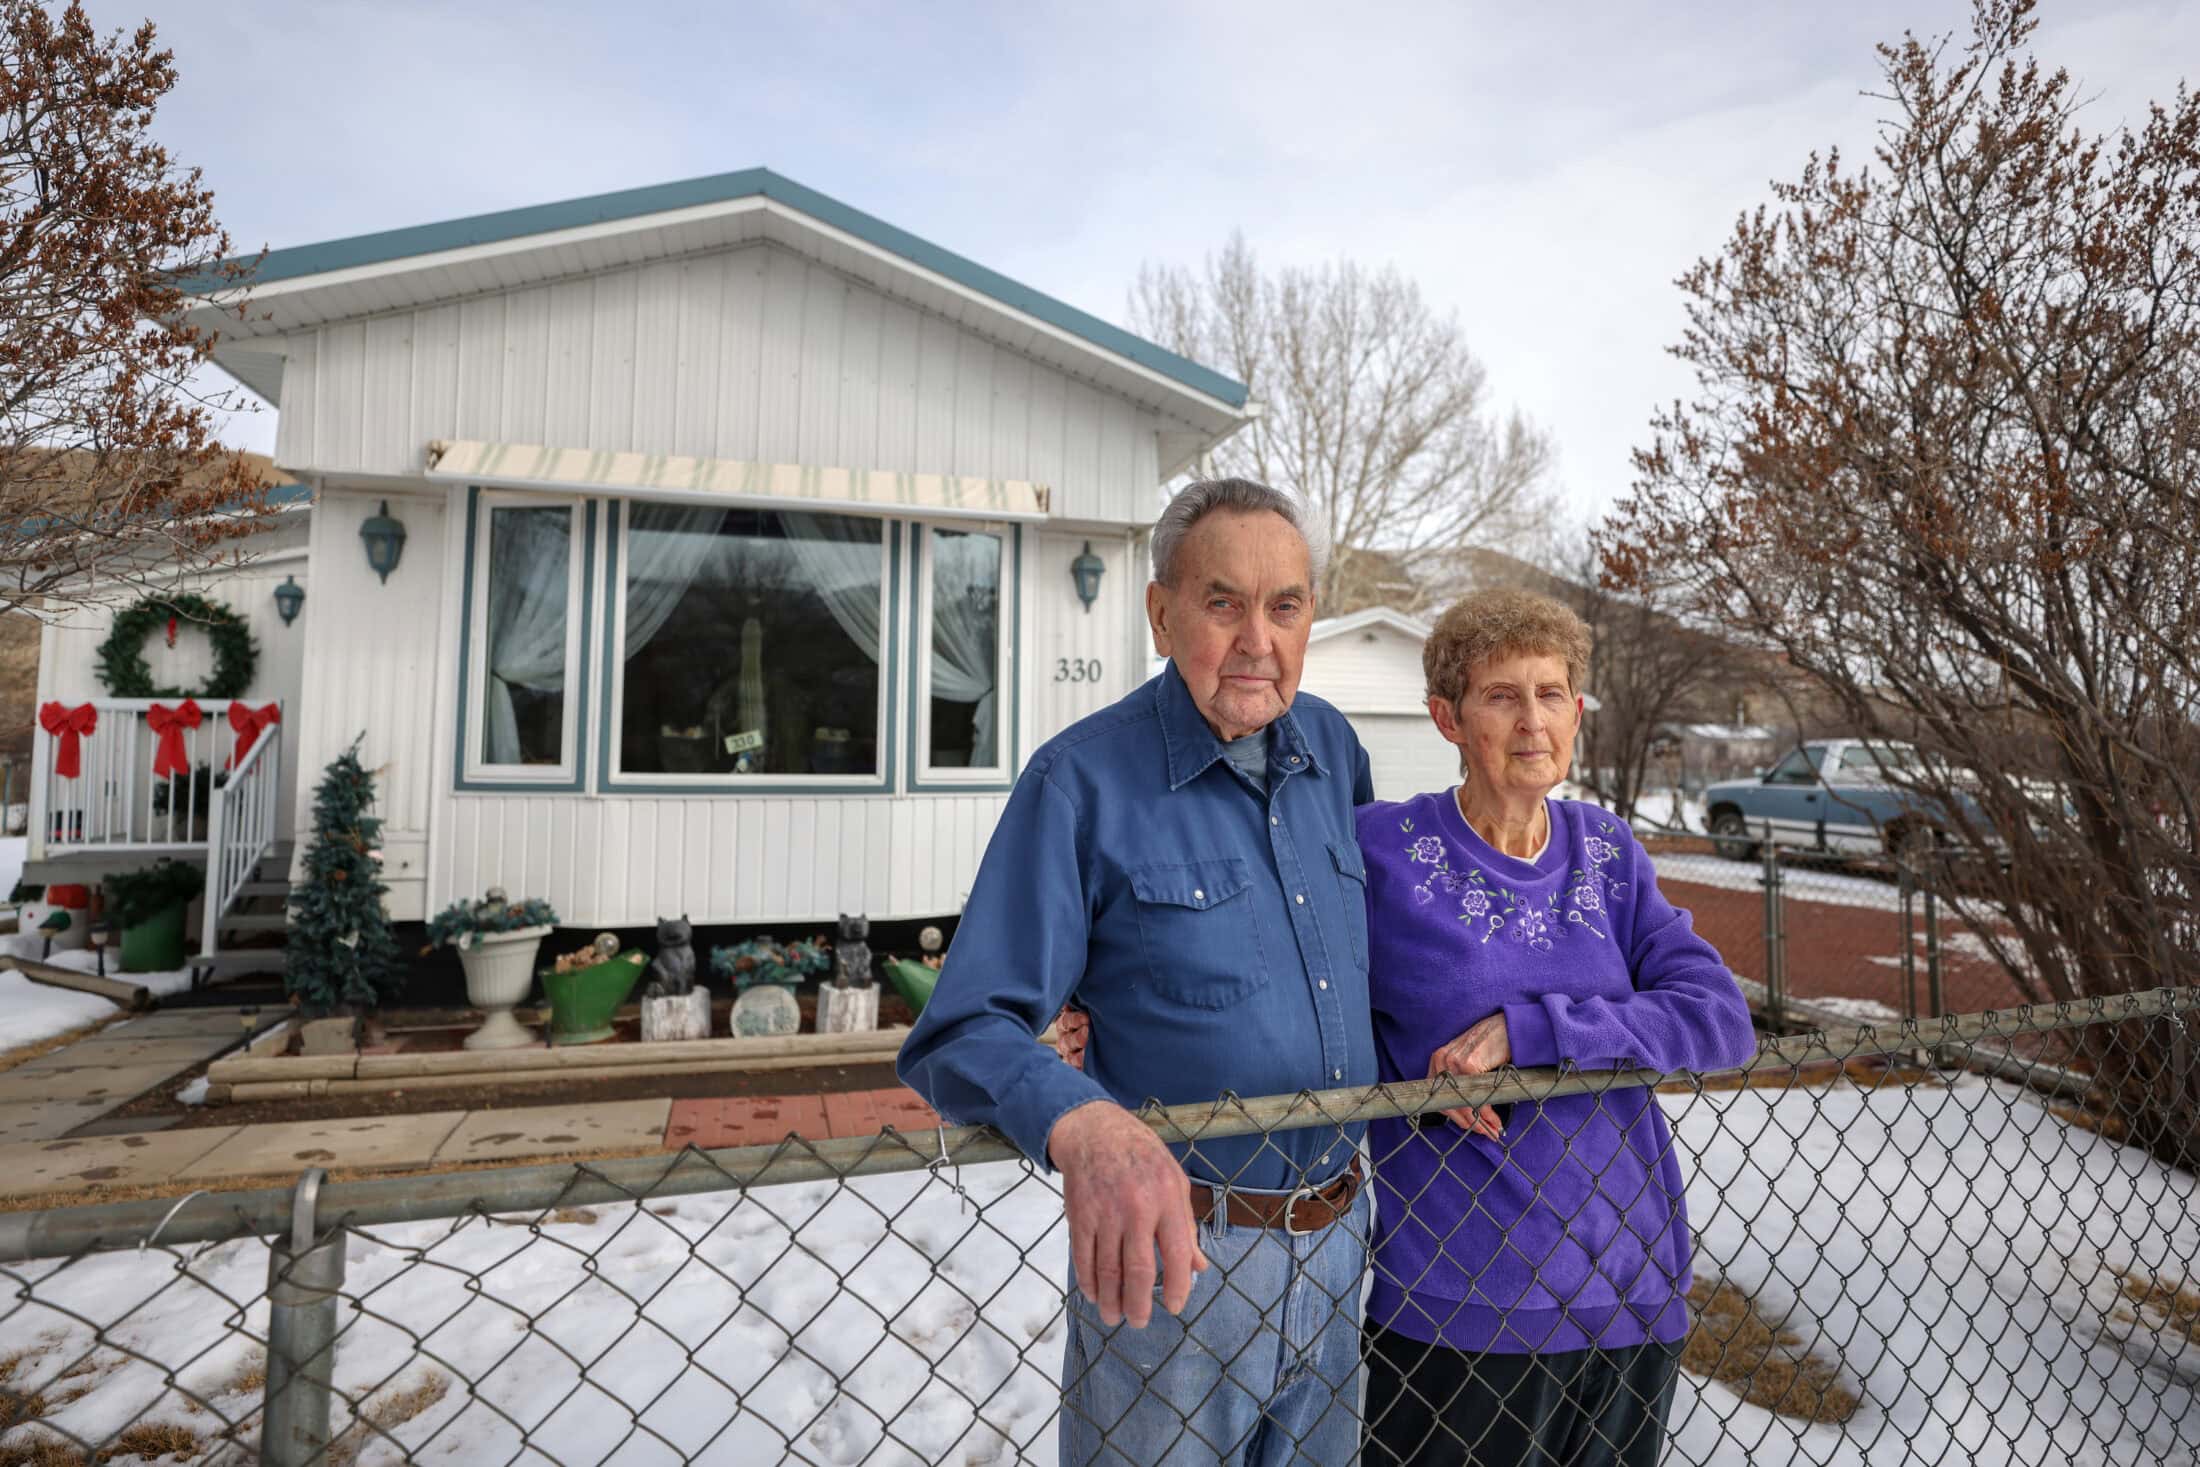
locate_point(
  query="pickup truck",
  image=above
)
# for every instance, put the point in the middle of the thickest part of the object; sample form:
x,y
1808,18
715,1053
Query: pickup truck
x,y
1834,796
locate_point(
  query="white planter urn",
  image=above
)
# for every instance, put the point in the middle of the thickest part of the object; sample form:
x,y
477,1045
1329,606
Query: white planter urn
x,y
500,972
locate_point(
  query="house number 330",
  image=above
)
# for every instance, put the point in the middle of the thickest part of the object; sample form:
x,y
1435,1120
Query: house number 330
x,y
1077,669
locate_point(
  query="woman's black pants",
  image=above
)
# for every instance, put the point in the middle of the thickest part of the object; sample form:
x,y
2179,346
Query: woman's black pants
x,y
1431,1406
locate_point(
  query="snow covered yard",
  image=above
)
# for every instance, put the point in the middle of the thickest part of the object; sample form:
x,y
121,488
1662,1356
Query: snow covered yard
x,y
1959,1250
33,1012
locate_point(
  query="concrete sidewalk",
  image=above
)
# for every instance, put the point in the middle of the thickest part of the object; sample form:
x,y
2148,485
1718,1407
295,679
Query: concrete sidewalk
x,y
231,1156
48,1097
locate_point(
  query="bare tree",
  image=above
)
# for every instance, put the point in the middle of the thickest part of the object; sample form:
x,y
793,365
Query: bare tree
x,y
1649,668
1944,454
1372,407
108,463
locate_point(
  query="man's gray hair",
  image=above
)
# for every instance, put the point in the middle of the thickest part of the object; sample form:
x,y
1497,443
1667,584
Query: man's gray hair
x,y
1194,502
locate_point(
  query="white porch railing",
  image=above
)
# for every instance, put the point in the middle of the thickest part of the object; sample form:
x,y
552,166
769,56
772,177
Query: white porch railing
x,y
115,804
241,827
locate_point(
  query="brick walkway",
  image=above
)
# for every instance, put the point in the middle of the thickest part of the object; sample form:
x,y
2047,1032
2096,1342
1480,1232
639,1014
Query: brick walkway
x,y
758,1120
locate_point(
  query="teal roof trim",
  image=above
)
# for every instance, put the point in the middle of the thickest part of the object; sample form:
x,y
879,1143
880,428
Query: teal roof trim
x,y
454,234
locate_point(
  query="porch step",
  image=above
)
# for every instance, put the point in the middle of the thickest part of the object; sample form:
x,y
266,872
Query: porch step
x,y
255,922
241,960
264,888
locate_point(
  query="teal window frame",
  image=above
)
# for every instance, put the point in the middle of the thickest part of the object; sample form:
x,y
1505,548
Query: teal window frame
x,y
571,775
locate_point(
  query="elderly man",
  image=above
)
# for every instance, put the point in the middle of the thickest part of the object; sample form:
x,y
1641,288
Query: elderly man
x,y
1183,864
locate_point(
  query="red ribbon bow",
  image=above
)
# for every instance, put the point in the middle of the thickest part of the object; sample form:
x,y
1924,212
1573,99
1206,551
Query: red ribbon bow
x,y
248,723
169,758
68,725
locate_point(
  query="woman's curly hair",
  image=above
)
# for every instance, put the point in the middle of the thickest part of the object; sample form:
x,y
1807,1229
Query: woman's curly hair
x,y
1501,622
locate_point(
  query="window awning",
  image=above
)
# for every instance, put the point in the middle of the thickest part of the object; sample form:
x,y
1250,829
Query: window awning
x,y
679,476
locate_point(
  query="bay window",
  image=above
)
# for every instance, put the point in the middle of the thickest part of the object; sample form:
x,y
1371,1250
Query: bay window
x,y
718,648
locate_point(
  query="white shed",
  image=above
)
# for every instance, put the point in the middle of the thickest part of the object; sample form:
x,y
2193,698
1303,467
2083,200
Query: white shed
x,y
750,544
1369,665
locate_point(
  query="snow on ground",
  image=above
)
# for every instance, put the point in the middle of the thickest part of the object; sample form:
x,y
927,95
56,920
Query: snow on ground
x,y
1657,812
1977,1317
30,1012
1801,883
84,960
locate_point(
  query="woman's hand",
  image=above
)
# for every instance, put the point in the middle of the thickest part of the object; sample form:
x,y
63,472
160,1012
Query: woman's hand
x,y
1485,1046
1072,1032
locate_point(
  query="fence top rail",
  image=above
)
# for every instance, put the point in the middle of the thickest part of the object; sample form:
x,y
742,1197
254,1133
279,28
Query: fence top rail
x,y
219,1216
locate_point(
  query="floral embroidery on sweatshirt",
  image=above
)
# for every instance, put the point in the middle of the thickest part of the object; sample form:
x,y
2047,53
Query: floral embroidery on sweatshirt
x,y
1586,903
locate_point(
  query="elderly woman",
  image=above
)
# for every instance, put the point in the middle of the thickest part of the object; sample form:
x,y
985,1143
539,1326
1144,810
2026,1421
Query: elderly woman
x,y
1531,1268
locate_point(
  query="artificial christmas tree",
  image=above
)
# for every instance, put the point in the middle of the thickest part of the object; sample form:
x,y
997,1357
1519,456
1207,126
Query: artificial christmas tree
x,y
342,954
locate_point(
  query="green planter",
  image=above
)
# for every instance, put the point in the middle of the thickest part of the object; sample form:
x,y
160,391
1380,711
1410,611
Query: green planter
x,y
155,945
583,1001
913,981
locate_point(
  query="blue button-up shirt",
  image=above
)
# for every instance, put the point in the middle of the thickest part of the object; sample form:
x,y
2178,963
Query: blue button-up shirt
x,y
1216,933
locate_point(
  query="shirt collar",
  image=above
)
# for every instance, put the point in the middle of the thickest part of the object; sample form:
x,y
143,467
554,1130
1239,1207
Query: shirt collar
x,y
1191,745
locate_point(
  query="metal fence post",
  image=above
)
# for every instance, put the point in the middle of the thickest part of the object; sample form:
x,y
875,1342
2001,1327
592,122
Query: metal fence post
x,y
305,1279
1775,937
1934,994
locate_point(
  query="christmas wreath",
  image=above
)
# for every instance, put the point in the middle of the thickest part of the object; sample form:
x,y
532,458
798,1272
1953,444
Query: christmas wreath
x,y
122,656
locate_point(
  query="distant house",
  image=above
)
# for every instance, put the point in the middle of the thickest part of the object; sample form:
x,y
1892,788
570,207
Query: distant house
x,y
1690,756
750,545
1369,665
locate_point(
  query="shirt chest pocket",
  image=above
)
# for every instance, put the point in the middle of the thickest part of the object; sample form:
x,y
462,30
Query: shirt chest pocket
x,y
1352,886
1196,921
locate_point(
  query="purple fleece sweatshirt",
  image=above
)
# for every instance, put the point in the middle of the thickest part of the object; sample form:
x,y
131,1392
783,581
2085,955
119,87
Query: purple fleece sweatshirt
x,y
1571,1231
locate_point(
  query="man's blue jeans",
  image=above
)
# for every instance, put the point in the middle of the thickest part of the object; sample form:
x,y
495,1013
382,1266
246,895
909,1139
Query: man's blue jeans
x,y
1261,1369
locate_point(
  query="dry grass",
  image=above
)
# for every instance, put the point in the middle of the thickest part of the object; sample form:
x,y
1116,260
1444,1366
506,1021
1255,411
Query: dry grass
x,y
386,1412
42,1451
1732,1343
2085,1118
23,1054
2173,1307
155,1442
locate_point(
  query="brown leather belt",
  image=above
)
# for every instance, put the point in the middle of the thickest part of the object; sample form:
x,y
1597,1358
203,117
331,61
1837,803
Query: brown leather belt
x,y
1298,1213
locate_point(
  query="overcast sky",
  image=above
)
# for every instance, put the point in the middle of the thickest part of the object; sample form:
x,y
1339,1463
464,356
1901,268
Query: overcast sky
x,y
1544,170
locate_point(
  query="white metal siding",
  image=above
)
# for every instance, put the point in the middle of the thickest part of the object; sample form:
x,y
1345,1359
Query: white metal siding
x,y
627,860
68,649
1406,753
1373,675
1066,636
755,353
371,667
1376,669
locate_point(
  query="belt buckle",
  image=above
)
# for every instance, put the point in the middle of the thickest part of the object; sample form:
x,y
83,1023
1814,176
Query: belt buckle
x,y
1292,1229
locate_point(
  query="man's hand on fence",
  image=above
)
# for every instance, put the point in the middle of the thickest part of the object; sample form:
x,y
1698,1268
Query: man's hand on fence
x,y
1485,1046
1126,1197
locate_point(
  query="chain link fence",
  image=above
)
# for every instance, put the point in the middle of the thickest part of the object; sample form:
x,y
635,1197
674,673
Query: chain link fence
x,y
1910,1244
1859,935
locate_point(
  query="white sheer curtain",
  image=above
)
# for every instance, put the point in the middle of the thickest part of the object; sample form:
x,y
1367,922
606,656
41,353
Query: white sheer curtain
x,y
843,560
530,557
667,546
966,631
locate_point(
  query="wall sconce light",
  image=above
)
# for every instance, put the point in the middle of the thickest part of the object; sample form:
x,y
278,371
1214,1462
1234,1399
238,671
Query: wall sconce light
x,y
1086,570
289,596
385,540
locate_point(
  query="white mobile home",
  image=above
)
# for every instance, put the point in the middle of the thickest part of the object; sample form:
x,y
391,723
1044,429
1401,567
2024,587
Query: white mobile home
x,y
748,546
